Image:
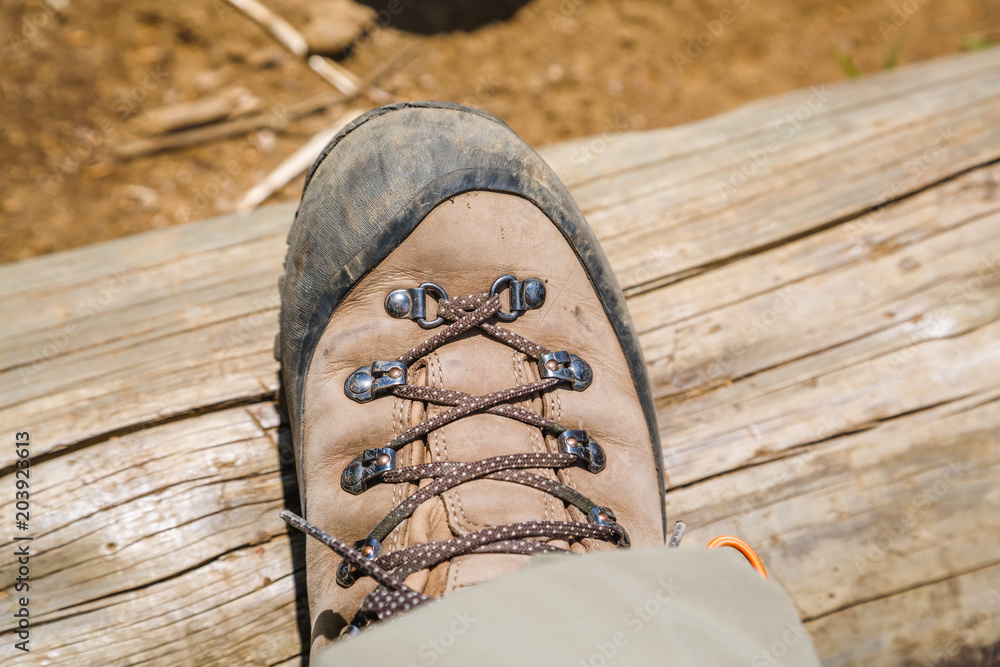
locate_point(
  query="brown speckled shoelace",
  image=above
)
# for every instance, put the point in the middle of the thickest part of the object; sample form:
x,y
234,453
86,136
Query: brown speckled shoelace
x,y
389,570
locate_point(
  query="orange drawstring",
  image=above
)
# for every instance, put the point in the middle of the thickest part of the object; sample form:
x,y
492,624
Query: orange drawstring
x,y
743,548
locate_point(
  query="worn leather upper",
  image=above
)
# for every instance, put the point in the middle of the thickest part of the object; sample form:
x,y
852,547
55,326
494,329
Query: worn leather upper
x,y
463,245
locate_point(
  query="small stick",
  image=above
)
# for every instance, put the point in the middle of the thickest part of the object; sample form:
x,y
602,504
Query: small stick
x,y
294,165
279,28
276,120
340,77
228,104
346,82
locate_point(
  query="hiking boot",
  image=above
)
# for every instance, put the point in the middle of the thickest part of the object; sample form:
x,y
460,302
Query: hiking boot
x,y
463,381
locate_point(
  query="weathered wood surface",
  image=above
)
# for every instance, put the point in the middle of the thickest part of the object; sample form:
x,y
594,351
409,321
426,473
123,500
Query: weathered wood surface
x,y
816,280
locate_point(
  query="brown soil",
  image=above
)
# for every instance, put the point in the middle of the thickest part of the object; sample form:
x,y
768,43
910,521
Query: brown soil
x,y
74,74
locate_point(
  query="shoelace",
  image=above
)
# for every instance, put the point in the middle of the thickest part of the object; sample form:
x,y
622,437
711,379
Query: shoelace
x,y
365,558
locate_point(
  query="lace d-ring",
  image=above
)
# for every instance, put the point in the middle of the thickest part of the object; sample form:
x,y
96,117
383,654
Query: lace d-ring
x,y
412,303
524,295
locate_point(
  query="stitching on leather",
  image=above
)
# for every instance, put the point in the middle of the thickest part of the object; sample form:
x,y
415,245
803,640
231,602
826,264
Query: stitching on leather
x,y
405,420
409,406
402,532
517,361
396,414
564,476
451,498
453,567
435,377
465,518
537,440
538,443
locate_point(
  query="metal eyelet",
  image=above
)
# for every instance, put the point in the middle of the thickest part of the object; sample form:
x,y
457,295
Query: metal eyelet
x,y
603,516
349,632
370,382
524,295
579,444
347,573
412,303
366,469
567,367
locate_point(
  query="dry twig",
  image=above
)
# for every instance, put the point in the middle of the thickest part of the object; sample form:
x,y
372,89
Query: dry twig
x,y
279,28
294,165
276,119
227,104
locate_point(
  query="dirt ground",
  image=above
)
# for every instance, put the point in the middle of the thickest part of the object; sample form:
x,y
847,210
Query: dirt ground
x,y
74,74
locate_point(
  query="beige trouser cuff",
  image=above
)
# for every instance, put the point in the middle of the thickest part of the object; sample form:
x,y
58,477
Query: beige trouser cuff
x,y
676,607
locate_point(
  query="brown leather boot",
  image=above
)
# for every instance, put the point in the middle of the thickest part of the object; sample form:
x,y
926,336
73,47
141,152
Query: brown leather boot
x,y
463,380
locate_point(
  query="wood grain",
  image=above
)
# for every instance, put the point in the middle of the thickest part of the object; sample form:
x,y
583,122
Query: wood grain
x,y
823,337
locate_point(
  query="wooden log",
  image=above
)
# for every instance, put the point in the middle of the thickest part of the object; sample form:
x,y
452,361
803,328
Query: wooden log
x,y
177,548
814,278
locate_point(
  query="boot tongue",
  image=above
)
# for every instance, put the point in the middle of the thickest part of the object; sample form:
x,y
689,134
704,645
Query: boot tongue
x,y
476,365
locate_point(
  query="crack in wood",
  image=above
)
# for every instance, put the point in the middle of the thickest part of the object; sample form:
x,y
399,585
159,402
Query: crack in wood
x,y
151,423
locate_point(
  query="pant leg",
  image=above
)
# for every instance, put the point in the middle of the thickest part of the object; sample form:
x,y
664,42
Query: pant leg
x,y
677,607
